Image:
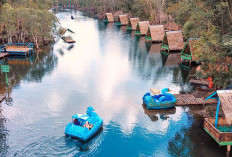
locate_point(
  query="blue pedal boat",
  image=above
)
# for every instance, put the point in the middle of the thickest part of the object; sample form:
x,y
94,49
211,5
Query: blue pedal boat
x,y
159,101
78,130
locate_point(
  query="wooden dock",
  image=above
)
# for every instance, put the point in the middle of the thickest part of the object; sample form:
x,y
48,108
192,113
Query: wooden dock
x,y
18,51
21,49
2,97
200,82
68,40
3,55
189,99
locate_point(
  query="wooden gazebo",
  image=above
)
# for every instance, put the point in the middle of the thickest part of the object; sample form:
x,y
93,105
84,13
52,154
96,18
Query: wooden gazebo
x,y
187,52
155,33
220,128
122,20
132,24
108,18
173,41
142,28
66,38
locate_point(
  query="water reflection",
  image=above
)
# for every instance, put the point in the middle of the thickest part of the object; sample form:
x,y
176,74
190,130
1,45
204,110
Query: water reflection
x,y
158,114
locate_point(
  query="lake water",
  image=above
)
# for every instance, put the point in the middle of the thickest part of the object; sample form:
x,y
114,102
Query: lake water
x,y
109,69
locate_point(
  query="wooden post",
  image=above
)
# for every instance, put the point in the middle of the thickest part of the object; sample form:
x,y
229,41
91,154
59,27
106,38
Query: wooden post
x,y
217,112
228,148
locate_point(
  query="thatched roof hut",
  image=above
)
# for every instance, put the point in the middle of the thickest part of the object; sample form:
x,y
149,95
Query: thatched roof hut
x,y
155,33
132,24
109,17
220,128
62,31
142,28
123,20
173,41
187,52
225,97
66,38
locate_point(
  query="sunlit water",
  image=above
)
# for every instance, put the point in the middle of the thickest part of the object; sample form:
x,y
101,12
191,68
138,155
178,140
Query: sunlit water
x,y
109,69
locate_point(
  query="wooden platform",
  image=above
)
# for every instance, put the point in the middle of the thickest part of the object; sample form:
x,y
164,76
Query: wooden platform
x,y
223,138
68,40
18,50
189,99
3,55
200,82
2,97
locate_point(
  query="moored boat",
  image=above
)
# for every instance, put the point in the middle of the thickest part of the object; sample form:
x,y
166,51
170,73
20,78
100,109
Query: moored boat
x,y
158,100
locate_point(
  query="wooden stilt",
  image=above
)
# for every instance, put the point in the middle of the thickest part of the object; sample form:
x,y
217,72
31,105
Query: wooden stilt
x,y
228,148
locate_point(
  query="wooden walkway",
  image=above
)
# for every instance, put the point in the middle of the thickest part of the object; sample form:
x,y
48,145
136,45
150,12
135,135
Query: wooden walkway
x,y
200,82
3,55
2,97
189,99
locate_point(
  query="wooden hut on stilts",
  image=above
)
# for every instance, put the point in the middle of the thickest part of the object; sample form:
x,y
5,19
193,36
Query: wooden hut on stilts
x,y
66,38
155,33
187,53
132,24
142,28
220,128
173,41
122,20
108,18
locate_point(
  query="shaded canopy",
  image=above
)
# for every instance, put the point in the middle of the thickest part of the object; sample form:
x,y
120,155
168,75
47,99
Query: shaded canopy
x,y
123,19
110,17
175,40
156,32
133,22
143,27
62,31
225,97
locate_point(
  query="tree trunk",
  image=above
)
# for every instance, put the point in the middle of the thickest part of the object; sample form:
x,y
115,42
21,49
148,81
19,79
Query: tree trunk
x,y
230,8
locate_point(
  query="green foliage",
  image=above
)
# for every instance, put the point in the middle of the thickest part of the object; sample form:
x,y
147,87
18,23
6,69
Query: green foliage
x,y
28,21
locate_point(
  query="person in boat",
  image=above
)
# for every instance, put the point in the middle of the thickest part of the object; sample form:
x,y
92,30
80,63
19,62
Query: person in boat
x,y
86,125
76,122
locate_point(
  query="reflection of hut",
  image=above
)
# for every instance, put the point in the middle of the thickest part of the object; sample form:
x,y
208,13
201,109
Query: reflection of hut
x,y
187,52
122,20
155,48
132,24
142,28
108,17
161,113
173,59
220,128
155,33
173,41
66,38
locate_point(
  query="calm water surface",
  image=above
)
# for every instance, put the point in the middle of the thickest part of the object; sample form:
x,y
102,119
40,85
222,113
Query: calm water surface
x,y
111,70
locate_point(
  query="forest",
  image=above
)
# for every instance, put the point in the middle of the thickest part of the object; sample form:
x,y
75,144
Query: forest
x,y
27,21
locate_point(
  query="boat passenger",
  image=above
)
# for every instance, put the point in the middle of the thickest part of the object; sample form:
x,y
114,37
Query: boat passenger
x,y
76,122
88,125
